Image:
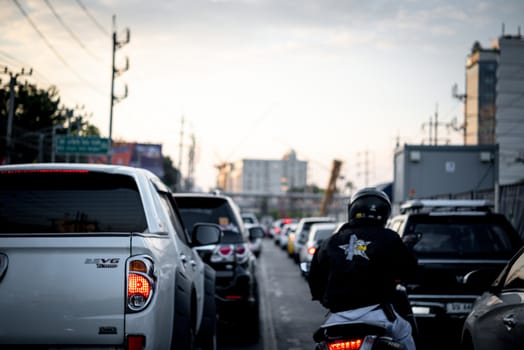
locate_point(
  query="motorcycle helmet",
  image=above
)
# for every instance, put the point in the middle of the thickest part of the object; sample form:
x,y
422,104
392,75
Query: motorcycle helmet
x,y
369,205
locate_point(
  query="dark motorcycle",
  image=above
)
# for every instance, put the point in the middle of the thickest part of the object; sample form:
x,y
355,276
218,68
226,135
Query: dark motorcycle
x,y
354,336
358,335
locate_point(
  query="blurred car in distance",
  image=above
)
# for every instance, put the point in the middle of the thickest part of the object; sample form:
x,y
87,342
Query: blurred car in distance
x,y
496,320
277,225
316,235
302,230
452,240
287,229
249,218
234,263
256,234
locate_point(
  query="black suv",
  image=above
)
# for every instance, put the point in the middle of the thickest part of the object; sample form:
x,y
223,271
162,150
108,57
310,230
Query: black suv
x,y
234,263
462,245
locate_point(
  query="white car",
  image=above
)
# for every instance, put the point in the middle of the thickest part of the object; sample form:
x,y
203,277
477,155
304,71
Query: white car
x,y
256,234
96,256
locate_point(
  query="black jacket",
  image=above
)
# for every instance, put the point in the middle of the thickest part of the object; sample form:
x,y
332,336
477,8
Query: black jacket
x,y
360,265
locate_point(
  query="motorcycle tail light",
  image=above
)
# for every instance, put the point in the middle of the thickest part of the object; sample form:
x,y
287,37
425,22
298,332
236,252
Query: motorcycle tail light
x,y
140,282
353,344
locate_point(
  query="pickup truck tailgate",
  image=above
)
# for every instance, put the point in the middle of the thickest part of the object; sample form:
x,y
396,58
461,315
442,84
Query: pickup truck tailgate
x,y
63,289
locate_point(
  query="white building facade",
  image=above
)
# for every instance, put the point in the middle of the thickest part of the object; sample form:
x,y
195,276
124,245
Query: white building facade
x,y
266,176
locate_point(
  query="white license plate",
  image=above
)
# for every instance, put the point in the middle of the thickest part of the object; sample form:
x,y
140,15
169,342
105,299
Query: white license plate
x,y
458,308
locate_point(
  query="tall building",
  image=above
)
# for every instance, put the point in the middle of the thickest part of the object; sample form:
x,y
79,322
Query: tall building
x,y
481,75
263,176
509,130
494,110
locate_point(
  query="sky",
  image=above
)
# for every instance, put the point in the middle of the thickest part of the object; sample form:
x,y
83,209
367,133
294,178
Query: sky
x,y
254,79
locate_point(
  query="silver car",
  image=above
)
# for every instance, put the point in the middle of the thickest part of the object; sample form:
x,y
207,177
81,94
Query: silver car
x,y
317,233
97,256
302,230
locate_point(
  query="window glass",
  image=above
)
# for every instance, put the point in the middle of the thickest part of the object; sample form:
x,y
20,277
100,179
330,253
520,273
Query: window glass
x,y
210,210
77,202
179,228
462,238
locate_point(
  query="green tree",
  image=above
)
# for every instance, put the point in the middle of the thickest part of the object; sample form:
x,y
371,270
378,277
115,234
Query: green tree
x,y
37,118
171,174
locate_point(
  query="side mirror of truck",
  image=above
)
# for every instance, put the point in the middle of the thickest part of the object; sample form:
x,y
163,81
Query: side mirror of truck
x,y
206,234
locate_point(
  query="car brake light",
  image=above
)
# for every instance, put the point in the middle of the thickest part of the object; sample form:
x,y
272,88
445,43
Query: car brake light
x,y
241,252
353,344
136,342
311,250
240,249
225,249
138,286
140,282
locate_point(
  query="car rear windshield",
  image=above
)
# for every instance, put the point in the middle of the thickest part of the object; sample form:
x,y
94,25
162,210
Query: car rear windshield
x,y
207,209
63,201
475,236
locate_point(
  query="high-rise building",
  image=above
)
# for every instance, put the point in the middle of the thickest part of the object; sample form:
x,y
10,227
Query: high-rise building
x,y
509,129
494,110
481,75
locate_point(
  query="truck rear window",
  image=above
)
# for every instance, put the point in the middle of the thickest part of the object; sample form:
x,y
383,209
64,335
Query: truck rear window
x,y
474,236
37,202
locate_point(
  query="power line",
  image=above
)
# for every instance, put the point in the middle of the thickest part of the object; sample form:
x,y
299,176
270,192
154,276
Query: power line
x,y
99,26
75,38
52,48
49,45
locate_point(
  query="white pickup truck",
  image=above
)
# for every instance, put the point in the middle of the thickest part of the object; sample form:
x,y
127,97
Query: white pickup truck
x,y
97,257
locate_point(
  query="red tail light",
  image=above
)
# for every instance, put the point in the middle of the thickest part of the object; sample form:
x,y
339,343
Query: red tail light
x,y
311,250
240,249
225,249
140,282
136,342
353,344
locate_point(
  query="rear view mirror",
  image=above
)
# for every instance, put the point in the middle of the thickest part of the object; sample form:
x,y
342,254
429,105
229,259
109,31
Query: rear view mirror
x,y
205,234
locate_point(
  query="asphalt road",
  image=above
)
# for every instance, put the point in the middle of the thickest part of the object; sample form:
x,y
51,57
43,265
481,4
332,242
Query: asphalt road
x,y
288,316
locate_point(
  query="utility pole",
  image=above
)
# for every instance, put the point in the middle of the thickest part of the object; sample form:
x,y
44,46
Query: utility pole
x,y
462,98
180,147
114,74
12,84
191,163
433,128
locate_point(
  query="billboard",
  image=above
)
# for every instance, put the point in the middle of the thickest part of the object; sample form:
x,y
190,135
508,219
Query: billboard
x,y
139,155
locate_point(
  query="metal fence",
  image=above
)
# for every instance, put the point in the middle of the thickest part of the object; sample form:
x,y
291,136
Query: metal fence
x,y
508,199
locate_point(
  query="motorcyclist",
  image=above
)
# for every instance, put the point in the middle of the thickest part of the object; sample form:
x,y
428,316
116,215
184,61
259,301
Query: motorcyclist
x,y
356,271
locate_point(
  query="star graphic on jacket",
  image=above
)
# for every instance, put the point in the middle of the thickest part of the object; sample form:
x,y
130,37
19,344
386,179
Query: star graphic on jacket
x,y
355,247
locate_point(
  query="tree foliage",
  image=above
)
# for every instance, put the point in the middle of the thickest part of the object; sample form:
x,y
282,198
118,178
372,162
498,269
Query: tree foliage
x,y
37,118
